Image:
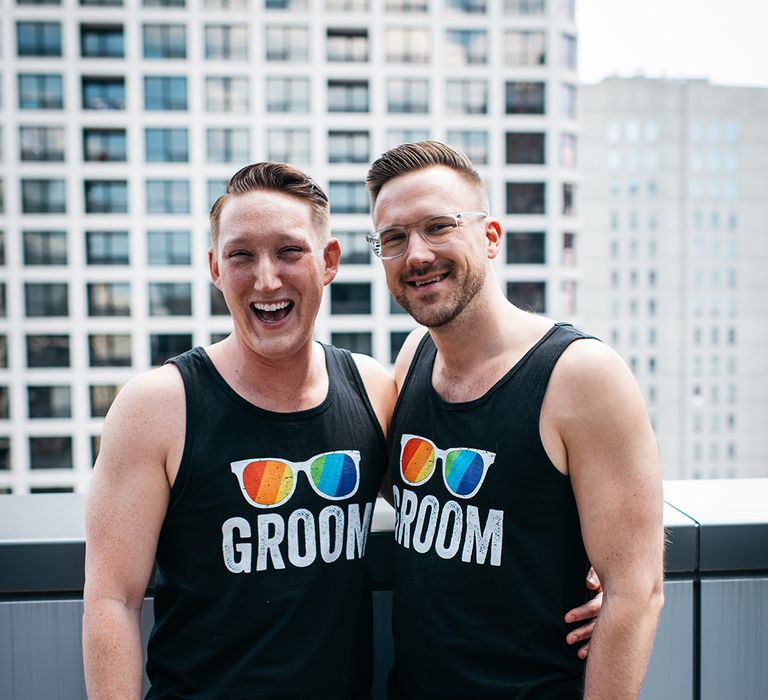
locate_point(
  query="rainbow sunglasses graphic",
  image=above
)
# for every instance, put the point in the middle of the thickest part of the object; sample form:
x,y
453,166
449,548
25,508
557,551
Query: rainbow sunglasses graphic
x,y
267,482
464,468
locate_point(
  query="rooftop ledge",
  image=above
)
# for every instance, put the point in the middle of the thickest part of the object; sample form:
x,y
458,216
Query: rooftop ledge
x,y
715,527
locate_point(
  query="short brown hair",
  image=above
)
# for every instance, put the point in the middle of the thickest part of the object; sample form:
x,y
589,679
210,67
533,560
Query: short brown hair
x,y
409,157
277,177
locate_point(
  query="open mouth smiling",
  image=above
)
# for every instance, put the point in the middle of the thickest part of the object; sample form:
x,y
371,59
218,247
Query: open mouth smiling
x,y
272,313
432,280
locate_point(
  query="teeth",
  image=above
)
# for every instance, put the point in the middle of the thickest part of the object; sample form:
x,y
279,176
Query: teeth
x,y
429,281
271,307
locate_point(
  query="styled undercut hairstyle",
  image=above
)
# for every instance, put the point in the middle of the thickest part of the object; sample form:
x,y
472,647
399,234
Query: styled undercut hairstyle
x,y
276,177
409,157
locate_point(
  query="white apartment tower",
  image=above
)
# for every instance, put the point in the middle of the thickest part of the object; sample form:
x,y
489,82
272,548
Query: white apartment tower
x,y
674,256
121,121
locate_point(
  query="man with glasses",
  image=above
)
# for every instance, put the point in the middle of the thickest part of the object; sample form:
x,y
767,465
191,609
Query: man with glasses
x,y
249,470
520,450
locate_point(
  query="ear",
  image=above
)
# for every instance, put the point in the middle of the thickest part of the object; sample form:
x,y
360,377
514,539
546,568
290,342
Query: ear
x,y
213,267
493,236
331,258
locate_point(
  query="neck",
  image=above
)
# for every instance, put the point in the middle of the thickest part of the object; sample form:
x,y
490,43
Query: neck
x,y
285,383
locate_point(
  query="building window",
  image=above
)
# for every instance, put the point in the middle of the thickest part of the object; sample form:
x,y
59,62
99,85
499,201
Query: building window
x,y
347,45
348,147
406,5
46,299
406,45
107,248
41,143
473,142
395,137
568,100
466,96
5,413
354,248
40,91
43,197
347,95
568,297
285,4
568,150
107,350
50,453
167,197
407,96
101,41
348,197
569,199
38,39
291,95
167,93
106,197
47,351
287,44
101,3
225,4
227,94
568,255
468,6
109,299
396,340
166,145
169,248
529,296
45,247
170,299
525,47
526,197
217,302
346,5
525,7
4,351
466,46
49,401
568,51
102,396
226,42
216,188
354,342
526,248
350,298
228,145
524,98
104,145
289,145
103,93
163,346
526,148
164,41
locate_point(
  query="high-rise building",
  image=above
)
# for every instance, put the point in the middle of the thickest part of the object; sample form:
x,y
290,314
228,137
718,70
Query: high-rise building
x,y
122,120
673,257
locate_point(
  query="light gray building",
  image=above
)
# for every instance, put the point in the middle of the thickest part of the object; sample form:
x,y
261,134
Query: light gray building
x,y
673,259
121,121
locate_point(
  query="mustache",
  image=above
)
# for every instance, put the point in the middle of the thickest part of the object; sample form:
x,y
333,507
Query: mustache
x,y
425,270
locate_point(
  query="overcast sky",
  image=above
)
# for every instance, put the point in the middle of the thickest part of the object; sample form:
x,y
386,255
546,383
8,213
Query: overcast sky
x,y
722,40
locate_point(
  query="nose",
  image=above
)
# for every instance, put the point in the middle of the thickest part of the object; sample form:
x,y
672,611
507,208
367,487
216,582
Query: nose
x,y
266,275
417,250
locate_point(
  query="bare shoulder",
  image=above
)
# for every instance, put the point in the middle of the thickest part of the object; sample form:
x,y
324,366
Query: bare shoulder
x,y
591,375
405,356
379,385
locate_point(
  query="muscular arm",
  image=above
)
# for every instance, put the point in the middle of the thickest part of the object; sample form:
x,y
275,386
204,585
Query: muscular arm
x,y
613,463
126,504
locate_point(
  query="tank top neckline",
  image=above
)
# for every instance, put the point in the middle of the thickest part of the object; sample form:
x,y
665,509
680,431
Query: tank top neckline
x,y
507,376
277,415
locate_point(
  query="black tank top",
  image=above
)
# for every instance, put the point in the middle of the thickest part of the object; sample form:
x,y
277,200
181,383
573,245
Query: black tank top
x,y
255,600
489,554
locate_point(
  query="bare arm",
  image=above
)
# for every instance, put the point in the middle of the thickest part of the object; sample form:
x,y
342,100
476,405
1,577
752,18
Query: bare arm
x,y
126,504
613,463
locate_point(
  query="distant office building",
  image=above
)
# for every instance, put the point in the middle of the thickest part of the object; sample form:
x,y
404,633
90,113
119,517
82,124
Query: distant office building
x,y
122,120
673,258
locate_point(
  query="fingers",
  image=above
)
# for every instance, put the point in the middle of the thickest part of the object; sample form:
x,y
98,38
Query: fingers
x,y
581,633
588,611
593,580
583,651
